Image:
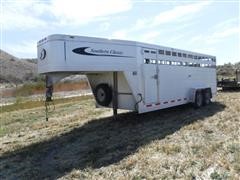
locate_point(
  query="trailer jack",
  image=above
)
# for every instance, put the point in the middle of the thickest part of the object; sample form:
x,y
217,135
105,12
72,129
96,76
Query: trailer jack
x,y
49,103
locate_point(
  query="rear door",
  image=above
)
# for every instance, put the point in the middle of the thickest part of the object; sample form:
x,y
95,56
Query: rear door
x,y
150,75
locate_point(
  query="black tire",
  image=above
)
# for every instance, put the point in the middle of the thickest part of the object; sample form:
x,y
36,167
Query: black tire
x,y
198,99
103,94
206,97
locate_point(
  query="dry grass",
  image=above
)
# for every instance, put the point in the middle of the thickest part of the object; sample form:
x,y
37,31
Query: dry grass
x,y
81,142
22,104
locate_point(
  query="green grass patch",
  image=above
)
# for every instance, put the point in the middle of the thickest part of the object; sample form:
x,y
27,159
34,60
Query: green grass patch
x,y
33,117
3,131
30,88
19,104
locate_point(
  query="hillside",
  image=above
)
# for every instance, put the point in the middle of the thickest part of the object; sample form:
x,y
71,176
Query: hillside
x,y
15,70
82,142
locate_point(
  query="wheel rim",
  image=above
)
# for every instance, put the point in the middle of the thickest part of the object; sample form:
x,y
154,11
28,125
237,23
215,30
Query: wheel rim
x,y
207,98
101,95
199,99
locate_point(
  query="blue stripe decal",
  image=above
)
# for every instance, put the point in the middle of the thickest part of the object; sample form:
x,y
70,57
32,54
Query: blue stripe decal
x,y
82,51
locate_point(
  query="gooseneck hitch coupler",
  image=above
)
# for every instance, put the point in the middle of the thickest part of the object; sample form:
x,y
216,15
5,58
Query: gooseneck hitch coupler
x,y
49,93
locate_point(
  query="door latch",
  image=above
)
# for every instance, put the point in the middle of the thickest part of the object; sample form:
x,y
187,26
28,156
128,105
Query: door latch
x,y
155,76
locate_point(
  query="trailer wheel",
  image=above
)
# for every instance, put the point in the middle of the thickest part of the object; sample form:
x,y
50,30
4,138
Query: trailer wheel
x,y
198,99
103,94
206,97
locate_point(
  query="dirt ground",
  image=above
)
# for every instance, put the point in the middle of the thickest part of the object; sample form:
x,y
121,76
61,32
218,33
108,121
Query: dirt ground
x,y
82,142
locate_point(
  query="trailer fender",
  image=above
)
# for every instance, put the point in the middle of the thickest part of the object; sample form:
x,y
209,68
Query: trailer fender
x,y
198,99
193,92
208,90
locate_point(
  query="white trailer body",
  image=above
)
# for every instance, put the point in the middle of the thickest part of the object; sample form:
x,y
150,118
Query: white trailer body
x,y
127,74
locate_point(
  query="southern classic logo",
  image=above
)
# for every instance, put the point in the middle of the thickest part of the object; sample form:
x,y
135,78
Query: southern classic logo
x,y
99,52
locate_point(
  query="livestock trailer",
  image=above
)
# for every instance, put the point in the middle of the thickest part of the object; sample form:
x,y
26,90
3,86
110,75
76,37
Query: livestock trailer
x,y
127,74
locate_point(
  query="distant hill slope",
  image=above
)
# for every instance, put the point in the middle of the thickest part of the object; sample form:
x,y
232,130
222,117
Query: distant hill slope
x,y
15,70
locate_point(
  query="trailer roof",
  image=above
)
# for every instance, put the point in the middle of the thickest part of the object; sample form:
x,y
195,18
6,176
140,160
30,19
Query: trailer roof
x,y
115,41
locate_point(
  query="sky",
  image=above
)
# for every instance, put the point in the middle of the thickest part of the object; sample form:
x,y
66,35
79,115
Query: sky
x,y
205,26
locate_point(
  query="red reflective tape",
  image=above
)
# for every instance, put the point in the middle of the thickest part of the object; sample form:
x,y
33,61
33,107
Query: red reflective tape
x,y
157,104
172,100
149,105
179,99
165,102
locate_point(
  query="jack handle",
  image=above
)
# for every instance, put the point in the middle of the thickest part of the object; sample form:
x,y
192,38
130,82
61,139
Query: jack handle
x,y
48,100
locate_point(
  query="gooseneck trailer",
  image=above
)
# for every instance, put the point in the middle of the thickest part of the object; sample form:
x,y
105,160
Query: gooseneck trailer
x,y
127,74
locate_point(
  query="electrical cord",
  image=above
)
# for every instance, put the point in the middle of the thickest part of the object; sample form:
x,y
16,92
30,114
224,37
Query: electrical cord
x,y
139,94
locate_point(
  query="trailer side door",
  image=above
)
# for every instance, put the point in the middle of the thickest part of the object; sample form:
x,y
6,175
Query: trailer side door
x,y
150,75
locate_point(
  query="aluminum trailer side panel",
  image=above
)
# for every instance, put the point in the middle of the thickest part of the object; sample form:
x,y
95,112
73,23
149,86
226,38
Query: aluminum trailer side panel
x,y
172,85
80,56
97,59
147,79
